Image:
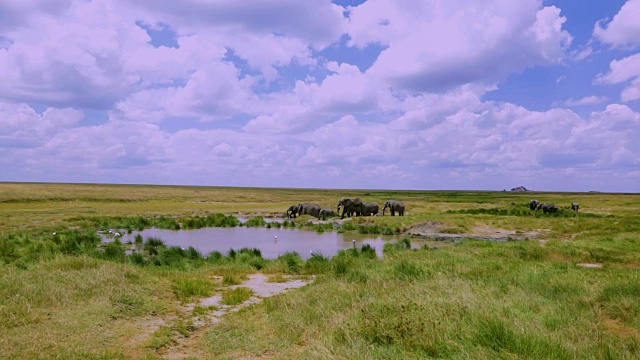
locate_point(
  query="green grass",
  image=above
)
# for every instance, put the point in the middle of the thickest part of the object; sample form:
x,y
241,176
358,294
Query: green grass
x,y
63,296
236,296
466,301
64,305
186,288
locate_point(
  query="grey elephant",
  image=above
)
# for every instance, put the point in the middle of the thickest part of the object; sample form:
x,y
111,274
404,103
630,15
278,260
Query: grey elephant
x,y
370,209
326,213
575,206
394,206
308,209
292,211
547,208
533,204
350,206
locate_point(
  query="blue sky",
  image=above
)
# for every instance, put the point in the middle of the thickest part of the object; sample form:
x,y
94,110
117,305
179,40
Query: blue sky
x,y
397,94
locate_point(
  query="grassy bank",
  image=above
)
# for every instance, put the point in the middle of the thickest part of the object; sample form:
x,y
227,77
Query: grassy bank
x,y
479,300
62,296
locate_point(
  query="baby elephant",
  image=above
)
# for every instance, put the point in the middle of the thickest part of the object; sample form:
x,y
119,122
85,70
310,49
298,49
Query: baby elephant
x,y
575,206
326,213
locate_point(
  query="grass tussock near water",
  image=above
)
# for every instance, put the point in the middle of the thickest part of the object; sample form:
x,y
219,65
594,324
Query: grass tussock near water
x,y
66,295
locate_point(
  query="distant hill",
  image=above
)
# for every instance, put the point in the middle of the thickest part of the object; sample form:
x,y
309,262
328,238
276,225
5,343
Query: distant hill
x,y
520,189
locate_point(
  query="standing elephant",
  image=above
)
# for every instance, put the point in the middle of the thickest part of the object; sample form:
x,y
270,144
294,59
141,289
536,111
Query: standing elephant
x,y
308,209
350,206
394,205
370,209
575,206
326,213
292,211
547,208
533,204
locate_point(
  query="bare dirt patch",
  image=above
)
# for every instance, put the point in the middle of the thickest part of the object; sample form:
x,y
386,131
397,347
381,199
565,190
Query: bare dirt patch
x,y
438,231
590,265
184,347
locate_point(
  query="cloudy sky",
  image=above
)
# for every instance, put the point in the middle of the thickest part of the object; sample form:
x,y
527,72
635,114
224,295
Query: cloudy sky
x,y
395,94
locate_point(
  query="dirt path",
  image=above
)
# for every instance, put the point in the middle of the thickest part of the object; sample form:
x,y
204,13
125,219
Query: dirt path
x,y
435,230
190,347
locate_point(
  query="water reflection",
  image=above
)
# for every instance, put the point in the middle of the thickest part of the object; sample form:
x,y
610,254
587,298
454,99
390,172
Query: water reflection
x,y
273,242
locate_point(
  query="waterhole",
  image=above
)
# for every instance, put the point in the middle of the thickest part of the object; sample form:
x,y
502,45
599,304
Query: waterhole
x,y
272,242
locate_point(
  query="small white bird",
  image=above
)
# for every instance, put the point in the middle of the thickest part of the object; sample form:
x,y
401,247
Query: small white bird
x,y
354,243
54,233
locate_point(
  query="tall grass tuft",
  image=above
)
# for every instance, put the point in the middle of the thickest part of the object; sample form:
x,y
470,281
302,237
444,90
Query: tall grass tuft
x,y
251,256
293,262
409,270
236,296
153,246
257,221
368,251
185,288
216,220
494,334
317,264
392,247
77,242
115,250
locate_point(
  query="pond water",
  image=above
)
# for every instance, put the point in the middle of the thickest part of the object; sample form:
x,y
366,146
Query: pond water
x,y
273,242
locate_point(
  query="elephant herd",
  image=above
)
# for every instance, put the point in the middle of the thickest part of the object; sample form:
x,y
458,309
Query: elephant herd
x,y
549,207
350,207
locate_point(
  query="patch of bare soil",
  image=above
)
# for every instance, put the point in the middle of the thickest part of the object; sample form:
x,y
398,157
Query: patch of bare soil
x,y
590,265
185,347
437,231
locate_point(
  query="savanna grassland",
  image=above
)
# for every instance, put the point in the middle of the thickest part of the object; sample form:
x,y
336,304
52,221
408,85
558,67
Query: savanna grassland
x,y
571,292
